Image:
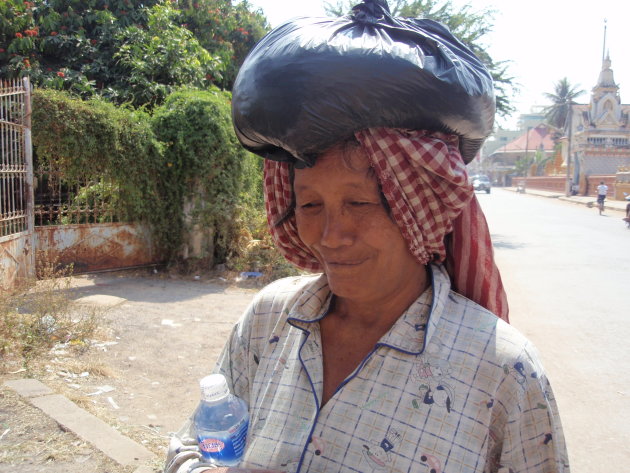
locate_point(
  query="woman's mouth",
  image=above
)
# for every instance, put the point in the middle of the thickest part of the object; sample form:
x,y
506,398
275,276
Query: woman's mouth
x,y
340,264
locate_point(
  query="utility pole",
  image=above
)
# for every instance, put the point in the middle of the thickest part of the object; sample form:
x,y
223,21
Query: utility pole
x,y
529,129
570,121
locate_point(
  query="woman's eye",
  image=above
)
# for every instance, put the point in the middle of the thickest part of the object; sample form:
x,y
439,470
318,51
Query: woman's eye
x,y
308,205
360,203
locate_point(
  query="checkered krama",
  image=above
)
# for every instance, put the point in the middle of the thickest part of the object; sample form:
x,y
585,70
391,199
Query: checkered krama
x,y
424,180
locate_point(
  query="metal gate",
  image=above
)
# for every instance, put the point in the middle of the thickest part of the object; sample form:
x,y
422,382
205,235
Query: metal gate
x,y
17,258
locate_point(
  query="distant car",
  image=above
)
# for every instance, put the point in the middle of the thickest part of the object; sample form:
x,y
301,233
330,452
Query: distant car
x,y
481,183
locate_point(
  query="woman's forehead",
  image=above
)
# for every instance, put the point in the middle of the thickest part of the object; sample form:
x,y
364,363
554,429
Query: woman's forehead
x,y
336,165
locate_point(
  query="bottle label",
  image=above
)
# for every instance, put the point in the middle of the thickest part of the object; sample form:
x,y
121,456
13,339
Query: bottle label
x,y
211,445
225,448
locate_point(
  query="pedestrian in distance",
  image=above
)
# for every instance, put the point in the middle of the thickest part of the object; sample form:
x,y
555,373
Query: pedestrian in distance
x,y
395,352
602,191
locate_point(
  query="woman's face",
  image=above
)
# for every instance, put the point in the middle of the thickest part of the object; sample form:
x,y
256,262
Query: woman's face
x,y
341,219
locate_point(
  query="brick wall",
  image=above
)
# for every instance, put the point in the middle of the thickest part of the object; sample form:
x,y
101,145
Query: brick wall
x,y
558,183
545,183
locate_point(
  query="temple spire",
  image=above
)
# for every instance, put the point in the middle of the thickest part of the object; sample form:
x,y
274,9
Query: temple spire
x,y
604,46
606,77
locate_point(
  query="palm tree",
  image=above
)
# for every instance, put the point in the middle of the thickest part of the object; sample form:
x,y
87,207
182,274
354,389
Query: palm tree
x,y
562,99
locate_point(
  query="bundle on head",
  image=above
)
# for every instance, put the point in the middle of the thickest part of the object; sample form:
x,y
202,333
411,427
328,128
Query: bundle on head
x,y
312,82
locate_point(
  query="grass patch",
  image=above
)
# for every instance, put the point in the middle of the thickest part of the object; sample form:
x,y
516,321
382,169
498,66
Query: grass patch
x,y
257,252
39,314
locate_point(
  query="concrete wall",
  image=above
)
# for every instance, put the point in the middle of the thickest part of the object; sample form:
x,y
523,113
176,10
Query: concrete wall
x,y
15,259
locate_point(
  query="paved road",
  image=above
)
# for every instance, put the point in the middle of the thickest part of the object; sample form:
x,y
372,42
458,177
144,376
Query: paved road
x,y
567,273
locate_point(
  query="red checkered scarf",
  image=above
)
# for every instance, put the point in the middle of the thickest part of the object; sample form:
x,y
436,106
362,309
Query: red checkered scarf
x,y
424,180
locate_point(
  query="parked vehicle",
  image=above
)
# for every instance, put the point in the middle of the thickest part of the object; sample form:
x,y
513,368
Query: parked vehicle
x,y
481,183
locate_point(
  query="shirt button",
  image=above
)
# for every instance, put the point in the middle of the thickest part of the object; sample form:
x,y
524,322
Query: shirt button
x,y
318,452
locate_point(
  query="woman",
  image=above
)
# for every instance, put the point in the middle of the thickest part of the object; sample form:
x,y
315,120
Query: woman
x,y
377,364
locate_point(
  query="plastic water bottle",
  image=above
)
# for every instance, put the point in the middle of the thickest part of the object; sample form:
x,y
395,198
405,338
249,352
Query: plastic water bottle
x,y
221,421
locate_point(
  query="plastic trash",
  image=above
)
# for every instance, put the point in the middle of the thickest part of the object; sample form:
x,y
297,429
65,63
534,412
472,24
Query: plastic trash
x,y
312,82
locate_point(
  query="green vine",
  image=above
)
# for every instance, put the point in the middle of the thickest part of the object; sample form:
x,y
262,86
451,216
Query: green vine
x,y
179,169
205,169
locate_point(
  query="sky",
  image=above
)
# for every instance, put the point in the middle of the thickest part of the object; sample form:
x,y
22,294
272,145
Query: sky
x,y
544,40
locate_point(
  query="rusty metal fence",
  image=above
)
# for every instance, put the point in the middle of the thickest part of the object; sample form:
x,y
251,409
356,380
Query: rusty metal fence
x,y
42,211
17,241
61,202
15,157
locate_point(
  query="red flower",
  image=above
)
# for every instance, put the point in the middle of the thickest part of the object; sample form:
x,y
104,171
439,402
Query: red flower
x,y
18,35
53,33
93,41
61,74
64,28
49,69
1,50
27,63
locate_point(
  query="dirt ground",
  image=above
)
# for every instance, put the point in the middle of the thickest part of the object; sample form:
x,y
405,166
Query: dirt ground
x,y
160,335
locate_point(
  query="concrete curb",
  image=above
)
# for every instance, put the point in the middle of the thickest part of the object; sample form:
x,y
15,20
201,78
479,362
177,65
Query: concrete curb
x,y
88,427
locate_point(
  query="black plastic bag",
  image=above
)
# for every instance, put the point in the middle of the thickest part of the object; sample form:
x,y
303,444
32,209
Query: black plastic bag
x,y
312,82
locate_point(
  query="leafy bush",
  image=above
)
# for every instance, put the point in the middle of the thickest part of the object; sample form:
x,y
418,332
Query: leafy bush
x,y
206,169
96,141
179,169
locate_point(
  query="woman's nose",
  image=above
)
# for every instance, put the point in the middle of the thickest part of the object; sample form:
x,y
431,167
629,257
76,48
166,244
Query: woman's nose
x,y
338,230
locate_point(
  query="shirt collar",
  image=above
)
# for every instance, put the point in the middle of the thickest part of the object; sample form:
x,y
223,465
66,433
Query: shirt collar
x,y
411,332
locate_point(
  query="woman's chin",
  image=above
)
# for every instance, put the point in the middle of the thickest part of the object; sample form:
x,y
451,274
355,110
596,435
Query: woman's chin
x,y
349,287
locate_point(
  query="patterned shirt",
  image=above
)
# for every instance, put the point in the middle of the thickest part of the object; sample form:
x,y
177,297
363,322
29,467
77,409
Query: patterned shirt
x,y
449,388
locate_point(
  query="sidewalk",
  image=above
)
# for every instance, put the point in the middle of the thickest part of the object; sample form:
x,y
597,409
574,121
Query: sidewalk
x,y
589,201
112,408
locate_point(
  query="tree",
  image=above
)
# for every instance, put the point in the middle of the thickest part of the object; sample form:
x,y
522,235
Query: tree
x,y
522,165
562,98
228,31
541,160
133,51
469,25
